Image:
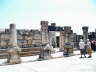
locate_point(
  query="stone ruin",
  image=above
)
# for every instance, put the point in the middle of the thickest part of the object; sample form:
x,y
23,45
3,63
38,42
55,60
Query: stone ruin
x,y
52,34
68,45
32,38
85,33
45,39
46,48
13,51
66,40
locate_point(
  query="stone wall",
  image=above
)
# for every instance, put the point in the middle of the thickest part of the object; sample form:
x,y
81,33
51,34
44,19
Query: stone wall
x,y
32,38
26,38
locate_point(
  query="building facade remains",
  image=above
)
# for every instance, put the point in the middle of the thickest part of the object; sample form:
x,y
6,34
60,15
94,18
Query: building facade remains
x,y
33,38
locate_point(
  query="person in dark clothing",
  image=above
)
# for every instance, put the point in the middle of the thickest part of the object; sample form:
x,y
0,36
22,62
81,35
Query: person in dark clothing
x,y
93,45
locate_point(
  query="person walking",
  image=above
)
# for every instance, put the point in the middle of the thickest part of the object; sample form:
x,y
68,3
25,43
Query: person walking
x,y
82,48
88,48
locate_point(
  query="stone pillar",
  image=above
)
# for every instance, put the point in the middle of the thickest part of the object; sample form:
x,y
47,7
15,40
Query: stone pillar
x,y
13,35
52,36
74,40
62,40
45,51
68,45
85,33
13,51
44,30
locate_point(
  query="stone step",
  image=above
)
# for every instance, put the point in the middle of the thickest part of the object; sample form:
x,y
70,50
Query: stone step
x,y
31,53
24,52
30,49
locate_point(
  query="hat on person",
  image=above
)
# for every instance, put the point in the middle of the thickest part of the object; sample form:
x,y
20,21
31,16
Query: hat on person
x,y
81,40
87,39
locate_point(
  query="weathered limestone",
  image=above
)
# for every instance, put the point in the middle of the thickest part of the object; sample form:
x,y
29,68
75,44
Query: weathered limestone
x,y
13,51
45,52
85,33
52,36
68,45
36,38
62,40
74,40
44,31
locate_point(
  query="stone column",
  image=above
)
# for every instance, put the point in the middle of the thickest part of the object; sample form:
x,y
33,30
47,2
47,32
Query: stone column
x,y
62,40
52,35
13,35
13,51
85,33
74,40
68,47
44,30
45,51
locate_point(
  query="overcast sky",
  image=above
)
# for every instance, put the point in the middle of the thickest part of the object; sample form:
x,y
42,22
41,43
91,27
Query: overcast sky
x,y
27,14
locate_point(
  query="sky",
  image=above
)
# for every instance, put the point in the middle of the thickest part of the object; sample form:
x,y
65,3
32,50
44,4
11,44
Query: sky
x,y
27,14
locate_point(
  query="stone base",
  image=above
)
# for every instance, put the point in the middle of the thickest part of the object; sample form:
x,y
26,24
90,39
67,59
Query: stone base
x,y
68,52
13,56
45,52
45,55
61,49
68,49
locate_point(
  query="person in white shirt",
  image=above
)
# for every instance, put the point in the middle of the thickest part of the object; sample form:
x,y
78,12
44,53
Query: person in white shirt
x,y
82,48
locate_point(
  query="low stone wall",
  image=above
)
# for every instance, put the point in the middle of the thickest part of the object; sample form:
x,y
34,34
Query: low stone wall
x,y
24,52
